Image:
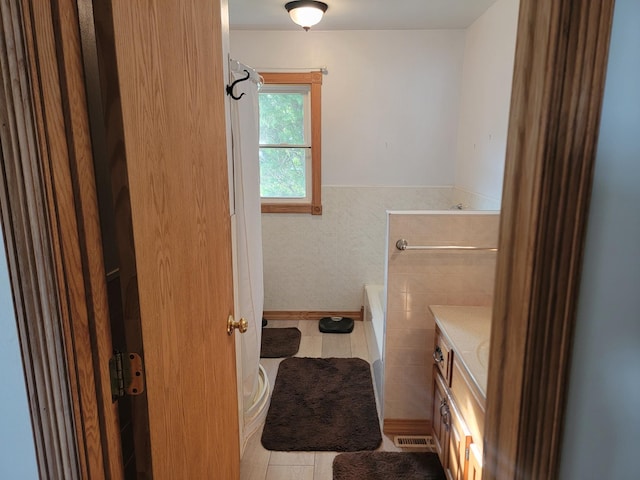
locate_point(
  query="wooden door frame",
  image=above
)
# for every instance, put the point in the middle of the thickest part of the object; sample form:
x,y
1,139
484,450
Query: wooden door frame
x,y
558,85
49,214
51,224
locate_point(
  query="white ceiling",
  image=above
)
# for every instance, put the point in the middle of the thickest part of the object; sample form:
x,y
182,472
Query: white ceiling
x,y
362,14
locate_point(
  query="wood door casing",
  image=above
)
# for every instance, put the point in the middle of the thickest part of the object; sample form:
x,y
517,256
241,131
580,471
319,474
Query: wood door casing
x,y
63,163
559,73
172,92
42,316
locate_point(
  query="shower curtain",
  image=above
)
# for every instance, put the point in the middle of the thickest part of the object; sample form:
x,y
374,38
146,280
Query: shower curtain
x,y
246,167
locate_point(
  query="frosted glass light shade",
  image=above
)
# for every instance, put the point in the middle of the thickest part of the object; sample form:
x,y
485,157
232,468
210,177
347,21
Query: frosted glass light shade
x,y
306,13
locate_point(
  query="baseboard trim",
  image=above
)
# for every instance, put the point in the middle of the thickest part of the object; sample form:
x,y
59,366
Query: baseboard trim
x,y
308,315
403,426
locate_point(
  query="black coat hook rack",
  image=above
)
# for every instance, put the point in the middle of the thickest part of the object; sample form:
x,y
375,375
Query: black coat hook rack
x,y
230,87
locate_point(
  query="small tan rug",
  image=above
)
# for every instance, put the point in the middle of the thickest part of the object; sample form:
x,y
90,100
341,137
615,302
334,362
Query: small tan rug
x,y
279,342
387,466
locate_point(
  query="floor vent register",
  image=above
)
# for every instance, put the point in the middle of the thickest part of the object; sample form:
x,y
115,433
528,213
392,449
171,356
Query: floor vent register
x,y
414,441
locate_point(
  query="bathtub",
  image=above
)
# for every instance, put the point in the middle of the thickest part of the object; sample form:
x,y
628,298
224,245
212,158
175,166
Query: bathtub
x,y
374,326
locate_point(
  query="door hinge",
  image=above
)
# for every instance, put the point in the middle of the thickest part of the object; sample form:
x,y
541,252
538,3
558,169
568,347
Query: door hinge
x,y
127,375
466,454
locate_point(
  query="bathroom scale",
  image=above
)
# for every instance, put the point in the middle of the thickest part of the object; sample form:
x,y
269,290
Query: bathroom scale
x,y
336,325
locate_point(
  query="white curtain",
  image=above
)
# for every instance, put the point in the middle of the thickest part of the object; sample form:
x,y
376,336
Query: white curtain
x,y
245,136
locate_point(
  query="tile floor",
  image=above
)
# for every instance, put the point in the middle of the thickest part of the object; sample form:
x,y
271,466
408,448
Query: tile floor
x,y
261,464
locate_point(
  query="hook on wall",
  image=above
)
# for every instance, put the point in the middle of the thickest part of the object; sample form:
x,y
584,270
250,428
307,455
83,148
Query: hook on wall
x,y
230,87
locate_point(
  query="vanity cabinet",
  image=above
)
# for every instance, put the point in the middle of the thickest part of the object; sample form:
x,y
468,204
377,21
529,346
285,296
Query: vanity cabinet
x,y
458,414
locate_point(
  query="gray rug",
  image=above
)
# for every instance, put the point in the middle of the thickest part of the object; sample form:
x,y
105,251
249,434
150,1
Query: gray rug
x,y
387,466
279,342
322,404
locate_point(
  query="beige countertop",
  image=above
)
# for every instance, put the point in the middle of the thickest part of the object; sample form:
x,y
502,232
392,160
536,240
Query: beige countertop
x,y
467,330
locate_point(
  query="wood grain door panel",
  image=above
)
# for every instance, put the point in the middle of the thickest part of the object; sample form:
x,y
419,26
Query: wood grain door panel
x,y
171,86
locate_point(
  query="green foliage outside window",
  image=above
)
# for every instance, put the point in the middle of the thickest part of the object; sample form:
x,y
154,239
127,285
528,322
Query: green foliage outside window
x,y
282,169
282,172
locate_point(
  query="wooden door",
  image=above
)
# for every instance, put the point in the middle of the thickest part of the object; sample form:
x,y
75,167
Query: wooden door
x,y
169,58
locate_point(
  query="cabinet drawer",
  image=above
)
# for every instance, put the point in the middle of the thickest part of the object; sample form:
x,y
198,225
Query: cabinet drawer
x,y
442,357
469,401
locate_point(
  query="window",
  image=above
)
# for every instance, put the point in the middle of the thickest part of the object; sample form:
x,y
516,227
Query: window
x,y
290,143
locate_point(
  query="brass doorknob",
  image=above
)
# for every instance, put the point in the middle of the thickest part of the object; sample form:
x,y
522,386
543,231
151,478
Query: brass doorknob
x,y
241,325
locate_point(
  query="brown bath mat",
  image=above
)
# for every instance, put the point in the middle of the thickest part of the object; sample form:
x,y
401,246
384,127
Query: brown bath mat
x,y
387,465
322,404
279,342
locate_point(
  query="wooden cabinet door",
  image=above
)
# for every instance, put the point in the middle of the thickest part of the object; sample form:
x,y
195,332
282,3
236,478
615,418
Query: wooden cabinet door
x,y
459,441
475,463
440,418
169,59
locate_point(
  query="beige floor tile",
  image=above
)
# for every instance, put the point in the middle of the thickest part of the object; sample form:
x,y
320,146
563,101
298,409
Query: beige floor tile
x,y
282,323
253,443
296,472
250,470
255,459
336,345
310,347
309,328
292,458
324,466
270,366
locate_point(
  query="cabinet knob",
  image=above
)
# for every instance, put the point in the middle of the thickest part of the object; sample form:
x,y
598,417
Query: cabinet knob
x,y
437,355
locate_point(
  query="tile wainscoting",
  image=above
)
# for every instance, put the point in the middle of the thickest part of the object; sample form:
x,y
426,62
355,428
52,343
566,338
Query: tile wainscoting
x,y
322,262
419,278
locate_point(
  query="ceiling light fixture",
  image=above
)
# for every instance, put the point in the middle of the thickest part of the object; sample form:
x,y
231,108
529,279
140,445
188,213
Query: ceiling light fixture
x,y
306,13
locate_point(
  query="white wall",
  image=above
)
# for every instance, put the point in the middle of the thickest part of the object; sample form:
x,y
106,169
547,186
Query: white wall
x,y
485,97
17,450
389,102
602,426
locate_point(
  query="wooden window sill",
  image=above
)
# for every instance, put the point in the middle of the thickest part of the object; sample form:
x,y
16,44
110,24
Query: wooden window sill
x,y
292,208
